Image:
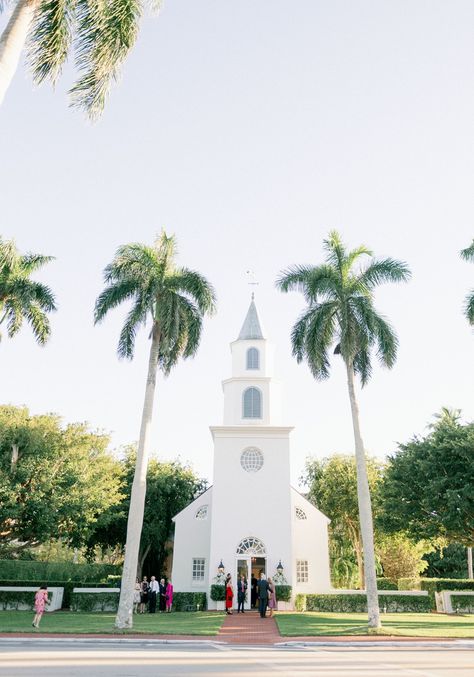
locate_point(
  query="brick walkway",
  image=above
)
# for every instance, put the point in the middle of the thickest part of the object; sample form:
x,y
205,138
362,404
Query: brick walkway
x,y
249,628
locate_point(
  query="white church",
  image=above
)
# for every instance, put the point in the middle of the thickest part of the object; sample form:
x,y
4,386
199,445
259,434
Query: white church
x,y
251,519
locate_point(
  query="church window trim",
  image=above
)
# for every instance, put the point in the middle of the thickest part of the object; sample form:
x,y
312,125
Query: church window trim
x,y
251,546
253,358
199,569
300,513
251,459
201,513
252,403
302,571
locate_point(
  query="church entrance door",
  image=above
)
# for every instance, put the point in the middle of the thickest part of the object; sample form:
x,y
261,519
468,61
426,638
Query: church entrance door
x,y
250,567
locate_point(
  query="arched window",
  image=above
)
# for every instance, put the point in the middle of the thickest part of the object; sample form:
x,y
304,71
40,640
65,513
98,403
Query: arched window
x,y
300,513
201,513
251,546
252,403
253,359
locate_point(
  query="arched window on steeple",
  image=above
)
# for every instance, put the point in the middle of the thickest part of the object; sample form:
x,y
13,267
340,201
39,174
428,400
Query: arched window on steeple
x,y
252,403
253,359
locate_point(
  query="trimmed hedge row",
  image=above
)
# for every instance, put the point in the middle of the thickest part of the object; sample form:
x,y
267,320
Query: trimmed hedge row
x,y
358,603
217,592
94,601
463,604
433,585
386,584
67,585
283,593
57,571
190,601
11,599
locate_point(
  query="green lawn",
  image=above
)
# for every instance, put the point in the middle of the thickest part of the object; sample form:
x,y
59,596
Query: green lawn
x,y
182,623
404,625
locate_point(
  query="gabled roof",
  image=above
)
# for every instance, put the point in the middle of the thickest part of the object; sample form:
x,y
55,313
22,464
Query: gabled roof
x,y
251,328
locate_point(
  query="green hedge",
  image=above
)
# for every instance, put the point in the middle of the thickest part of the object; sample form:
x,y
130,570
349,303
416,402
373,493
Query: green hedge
x,y
463,604
94,601
386,584
217,592
432,585
283,593
67,585
358,603
190,601
26,570
11,599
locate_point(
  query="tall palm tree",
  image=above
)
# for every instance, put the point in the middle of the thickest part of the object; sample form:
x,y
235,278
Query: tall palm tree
x,y
102,34
20,297
468,255
174,301
341,314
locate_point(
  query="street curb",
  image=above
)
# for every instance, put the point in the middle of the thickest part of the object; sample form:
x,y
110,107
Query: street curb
x,y
450,644
105,640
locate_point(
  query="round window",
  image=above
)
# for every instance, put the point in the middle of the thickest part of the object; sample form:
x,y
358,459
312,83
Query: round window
x,y
251,459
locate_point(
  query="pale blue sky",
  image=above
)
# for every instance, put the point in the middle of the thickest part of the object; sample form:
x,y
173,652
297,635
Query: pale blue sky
x,y
250,130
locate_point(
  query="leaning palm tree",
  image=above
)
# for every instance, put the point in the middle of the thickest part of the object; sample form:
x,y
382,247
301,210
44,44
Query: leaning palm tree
x,y
101,32
341,315
468,255
21,298
174,301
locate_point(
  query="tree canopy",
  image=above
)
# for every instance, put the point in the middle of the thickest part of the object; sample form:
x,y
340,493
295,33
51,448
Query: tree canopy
x,y
468,255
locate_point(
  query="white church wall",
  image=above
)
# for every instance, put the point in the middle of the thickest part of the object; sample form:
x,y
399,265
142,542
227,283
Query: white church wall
x,y
192,539
239,358
271,401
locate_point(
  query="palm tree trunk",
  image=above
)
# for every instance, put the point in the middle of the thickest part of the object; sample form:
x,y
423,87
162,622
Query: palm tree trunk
x,y
124,618
365,508
13,40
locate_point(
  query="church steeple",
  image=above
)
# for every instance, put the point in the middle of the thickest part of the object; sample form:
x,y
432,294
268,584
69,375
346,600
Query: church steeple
x,y
251,328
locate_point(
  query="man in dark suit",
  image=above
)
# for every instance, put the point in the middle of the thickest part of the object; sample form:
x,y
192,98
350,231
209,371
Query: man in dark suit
x,y
254,593
241,589
262,595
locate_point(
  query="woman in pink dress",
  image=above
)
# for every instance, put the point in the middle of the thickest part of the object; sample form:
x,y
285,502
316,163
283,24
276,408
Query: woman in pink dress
x,y
169,596
41,599
272,600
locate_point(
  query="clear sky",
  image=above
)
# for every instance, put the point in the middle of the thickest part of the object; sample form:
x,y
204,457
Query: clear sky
x,y
250,130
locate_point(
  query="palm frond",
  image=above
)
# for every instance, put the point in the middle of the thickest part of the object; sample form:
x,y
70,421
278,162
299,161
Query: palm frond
x,y
384,270
31,262
298,334
50,38
196,286
135,261
386,341
335,251
294,278
38,320
135,318
28,291
112,296
362,365
13,316
468,253
320,334
107,30
354,255
469,307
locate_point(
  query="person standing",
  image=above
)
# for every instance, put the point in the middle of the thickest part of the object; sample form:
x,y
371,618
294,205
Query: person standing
x,y
254,591
169,596
136,596
143,594
162,593
262,595
272,600
153,591
241,590
41,600
229,595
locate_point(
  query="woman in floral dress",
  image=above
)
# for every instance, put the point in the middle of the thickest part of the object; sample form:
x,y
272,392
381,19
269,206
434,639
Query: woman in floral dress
x,y
41,599
272,600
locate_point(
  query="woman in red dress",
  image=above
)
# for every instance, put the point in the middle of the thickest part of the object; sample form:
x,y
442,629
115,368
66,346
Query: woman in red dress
x,y
229,595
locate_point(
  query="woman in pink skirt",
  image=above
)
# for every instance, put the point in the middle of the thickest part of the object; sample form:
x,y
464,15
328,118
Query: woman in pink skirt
x,y
272,600
41,599
169,596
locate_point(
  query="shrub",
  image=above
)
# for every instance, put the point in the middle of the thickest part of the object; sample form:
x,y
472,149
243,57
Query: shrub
x,y
432,585
463,604
11,599
217,592
358,603
94,601
283,593
58,571
386,584
190,601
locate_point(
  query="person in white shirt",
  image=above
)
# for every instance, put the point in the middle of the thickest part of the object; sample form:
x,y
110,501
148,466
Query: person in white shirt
x,y
154,587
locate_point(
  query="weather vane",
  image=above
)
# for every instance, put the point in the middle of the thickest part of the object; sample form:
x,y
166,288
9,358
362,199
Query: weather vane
x,y
252,281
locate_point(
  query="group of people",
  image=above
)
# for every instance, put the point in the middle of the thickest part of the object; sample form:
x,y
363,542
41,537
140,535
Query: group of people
x,y
150,593
263,593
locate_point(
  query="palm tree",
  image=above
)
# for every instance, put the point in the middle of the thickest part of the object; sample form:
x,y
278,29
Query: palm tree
x,y
175,300
20,297
102,34
468,255
341,314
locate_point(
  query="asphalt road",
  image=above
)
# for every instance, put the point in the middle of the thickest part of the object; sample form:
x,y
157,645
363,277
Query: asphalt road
x,y
145,659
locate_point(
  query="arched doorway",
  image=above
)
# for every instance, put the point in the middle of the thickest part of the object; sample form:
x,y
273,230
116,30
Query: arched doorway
x,y
251,561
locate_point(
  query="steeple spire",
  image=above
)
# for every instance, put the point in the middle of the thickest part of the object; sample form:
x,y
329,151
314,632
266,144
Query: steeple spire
x,y
251,328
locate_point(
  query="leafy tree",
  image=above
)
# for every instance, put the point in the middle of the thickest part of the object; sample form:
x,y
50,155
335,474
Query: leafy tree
x,y
401,557
54,480
102,33
332,488
468,255
429,485
340,314
171,486
20,297
174,301
446,561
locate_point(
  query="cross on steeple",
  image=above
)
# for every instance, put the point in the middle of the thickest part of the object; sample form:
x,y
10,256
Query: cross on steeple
x,y
252,282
